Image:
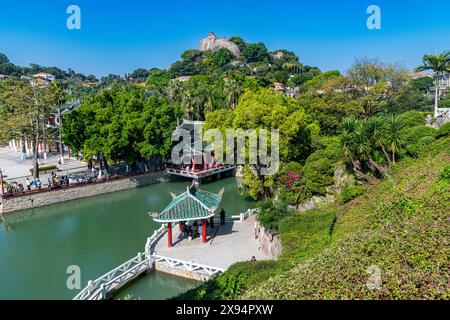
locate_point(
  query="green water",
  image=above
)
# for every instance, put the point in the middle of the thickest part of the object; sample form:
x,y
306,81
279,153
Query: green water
x,y
96,234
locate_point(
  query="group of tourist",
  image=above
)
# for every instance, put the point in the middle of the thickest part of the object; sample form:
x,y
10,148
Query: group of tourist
x,y
55,181
194,231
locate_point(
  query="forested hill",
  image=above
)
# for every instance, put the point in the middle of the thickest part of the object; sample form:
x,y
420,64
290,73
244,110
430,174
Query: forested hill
x,y
255,60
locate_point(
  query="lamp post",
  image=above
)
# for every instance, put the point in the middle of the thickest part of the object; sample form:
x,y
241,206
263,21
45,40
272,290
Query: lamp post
x,y
1,181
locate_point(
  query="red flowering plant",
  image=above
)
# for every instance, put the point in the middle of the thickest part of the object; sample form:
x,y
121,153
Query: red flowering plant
x,y
294,187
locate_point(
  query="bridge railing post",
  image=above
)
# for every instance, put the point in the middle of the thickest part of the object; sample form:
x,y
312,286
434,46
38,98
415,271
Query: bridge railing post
x,y
103,291
90,286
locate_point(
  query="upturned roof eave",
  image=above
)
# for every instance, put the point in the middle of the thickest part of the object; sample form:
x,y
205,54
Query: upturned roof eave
x,y
184,219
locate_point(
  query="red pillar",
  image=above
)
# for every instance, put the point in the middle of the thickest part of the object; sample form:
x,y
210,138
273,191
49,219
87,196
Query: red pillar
x,y
204,230
180,224
169,235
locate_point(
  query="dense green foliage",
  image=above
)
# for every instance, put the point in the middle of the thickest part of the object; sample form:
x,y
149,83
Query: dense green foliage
x,y
122,124
303,236
398,226
443,131
350,193
411,119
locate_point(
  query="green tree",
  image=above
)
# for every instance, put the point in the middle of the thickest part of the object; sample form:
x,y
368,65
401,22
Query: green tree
x,y
256,53
439,63
140,74
4,59
232,92
220,58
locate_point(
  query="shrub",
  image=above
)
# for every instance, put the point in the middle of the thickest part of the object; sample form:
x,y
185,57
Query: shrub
x,y
350,193
45,168
48,167
421,145
445,174
332,151
271,214
412,135
318,175
411,119
231,285
443,131
424,141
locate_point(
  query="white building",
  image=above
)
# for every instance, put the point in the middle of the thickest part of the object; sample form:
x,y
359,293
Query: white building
x,y
442,79
45,76
442,82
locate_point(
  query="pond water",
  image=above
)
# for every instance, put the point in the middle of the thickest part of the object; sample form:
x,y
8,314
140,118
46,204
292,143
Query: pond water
x,y
96,234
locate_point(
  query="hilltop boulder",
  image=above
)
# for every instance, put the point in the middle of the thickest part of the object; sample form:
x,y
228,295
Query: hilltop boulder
x,y
213,43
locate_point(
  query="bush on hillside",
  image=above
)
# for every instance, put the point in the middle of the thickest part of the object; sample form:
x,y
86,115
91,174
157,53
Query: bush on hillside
x,y
443,131
290,183
318,175
413,150
411,119
445,174
271,214
412,135
350,193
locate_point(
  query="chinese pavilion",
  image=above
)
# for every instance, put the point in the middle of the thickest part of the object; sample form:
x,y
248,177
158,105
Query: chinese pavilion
x,y
192,205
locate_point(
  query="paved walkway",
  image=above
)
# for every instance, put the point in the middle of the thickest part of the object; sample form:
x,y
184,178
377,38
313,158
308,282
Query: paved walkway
x,y
16,169
227,244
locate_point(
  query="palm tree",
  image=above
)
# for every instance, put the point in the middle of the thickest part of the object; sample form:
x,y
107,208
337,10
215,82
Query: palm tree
x,y
393,134
188,104
232,92
174,91
440,64
358,146
376,128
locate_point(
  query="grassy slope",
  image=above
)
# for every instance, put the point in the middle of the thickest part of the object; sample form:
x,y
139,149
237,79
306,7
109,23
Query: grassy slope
x,y
400,225
302,236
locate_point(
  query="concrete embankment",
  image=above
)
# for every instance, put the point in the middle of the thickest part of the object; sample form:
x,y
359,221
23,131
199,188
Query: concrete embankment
x,y
44,198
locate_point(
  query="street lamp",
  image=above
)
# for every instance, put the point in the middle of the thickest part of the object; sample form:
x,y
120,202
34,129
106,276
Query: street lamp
x,y
1,181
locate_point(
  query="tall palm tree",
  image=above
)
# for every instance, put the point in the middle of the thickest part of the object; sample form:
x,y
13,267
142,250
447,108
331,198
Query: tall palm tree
x,y
188,104
440,64
174,91
376,128
393,134
232,92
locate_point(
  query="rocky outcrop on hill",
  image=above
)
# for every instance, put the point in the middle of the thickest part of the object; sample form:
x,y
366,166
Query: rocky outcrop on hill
x,y
213,43
342,179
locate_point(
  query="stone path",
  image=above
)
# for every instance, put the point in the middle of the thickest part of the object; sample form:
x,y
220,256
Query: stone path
x,y
227,244
16,169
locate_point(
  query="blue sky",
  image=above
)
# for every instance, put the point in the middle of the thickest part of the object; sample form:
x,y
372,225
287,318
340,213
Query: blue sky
x,y
120,36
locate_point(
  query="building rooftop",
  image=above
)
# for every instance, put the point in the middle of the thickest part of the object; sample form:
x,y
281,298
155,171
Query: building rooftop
x,y
194,204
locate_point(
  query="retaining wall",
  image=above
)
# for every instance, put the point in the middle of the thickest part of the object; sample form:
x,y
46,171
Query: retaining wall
x,y
44,198
162,267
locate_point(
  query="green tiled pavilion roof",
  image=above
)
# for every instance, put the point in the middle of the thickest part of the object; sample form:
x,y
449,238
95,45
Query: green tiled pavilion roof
x,y
194,204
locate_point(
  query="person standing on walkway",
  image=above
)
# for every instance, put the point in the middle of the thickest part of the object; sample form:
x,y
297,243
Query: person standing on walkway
x,y
28,184
222,217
